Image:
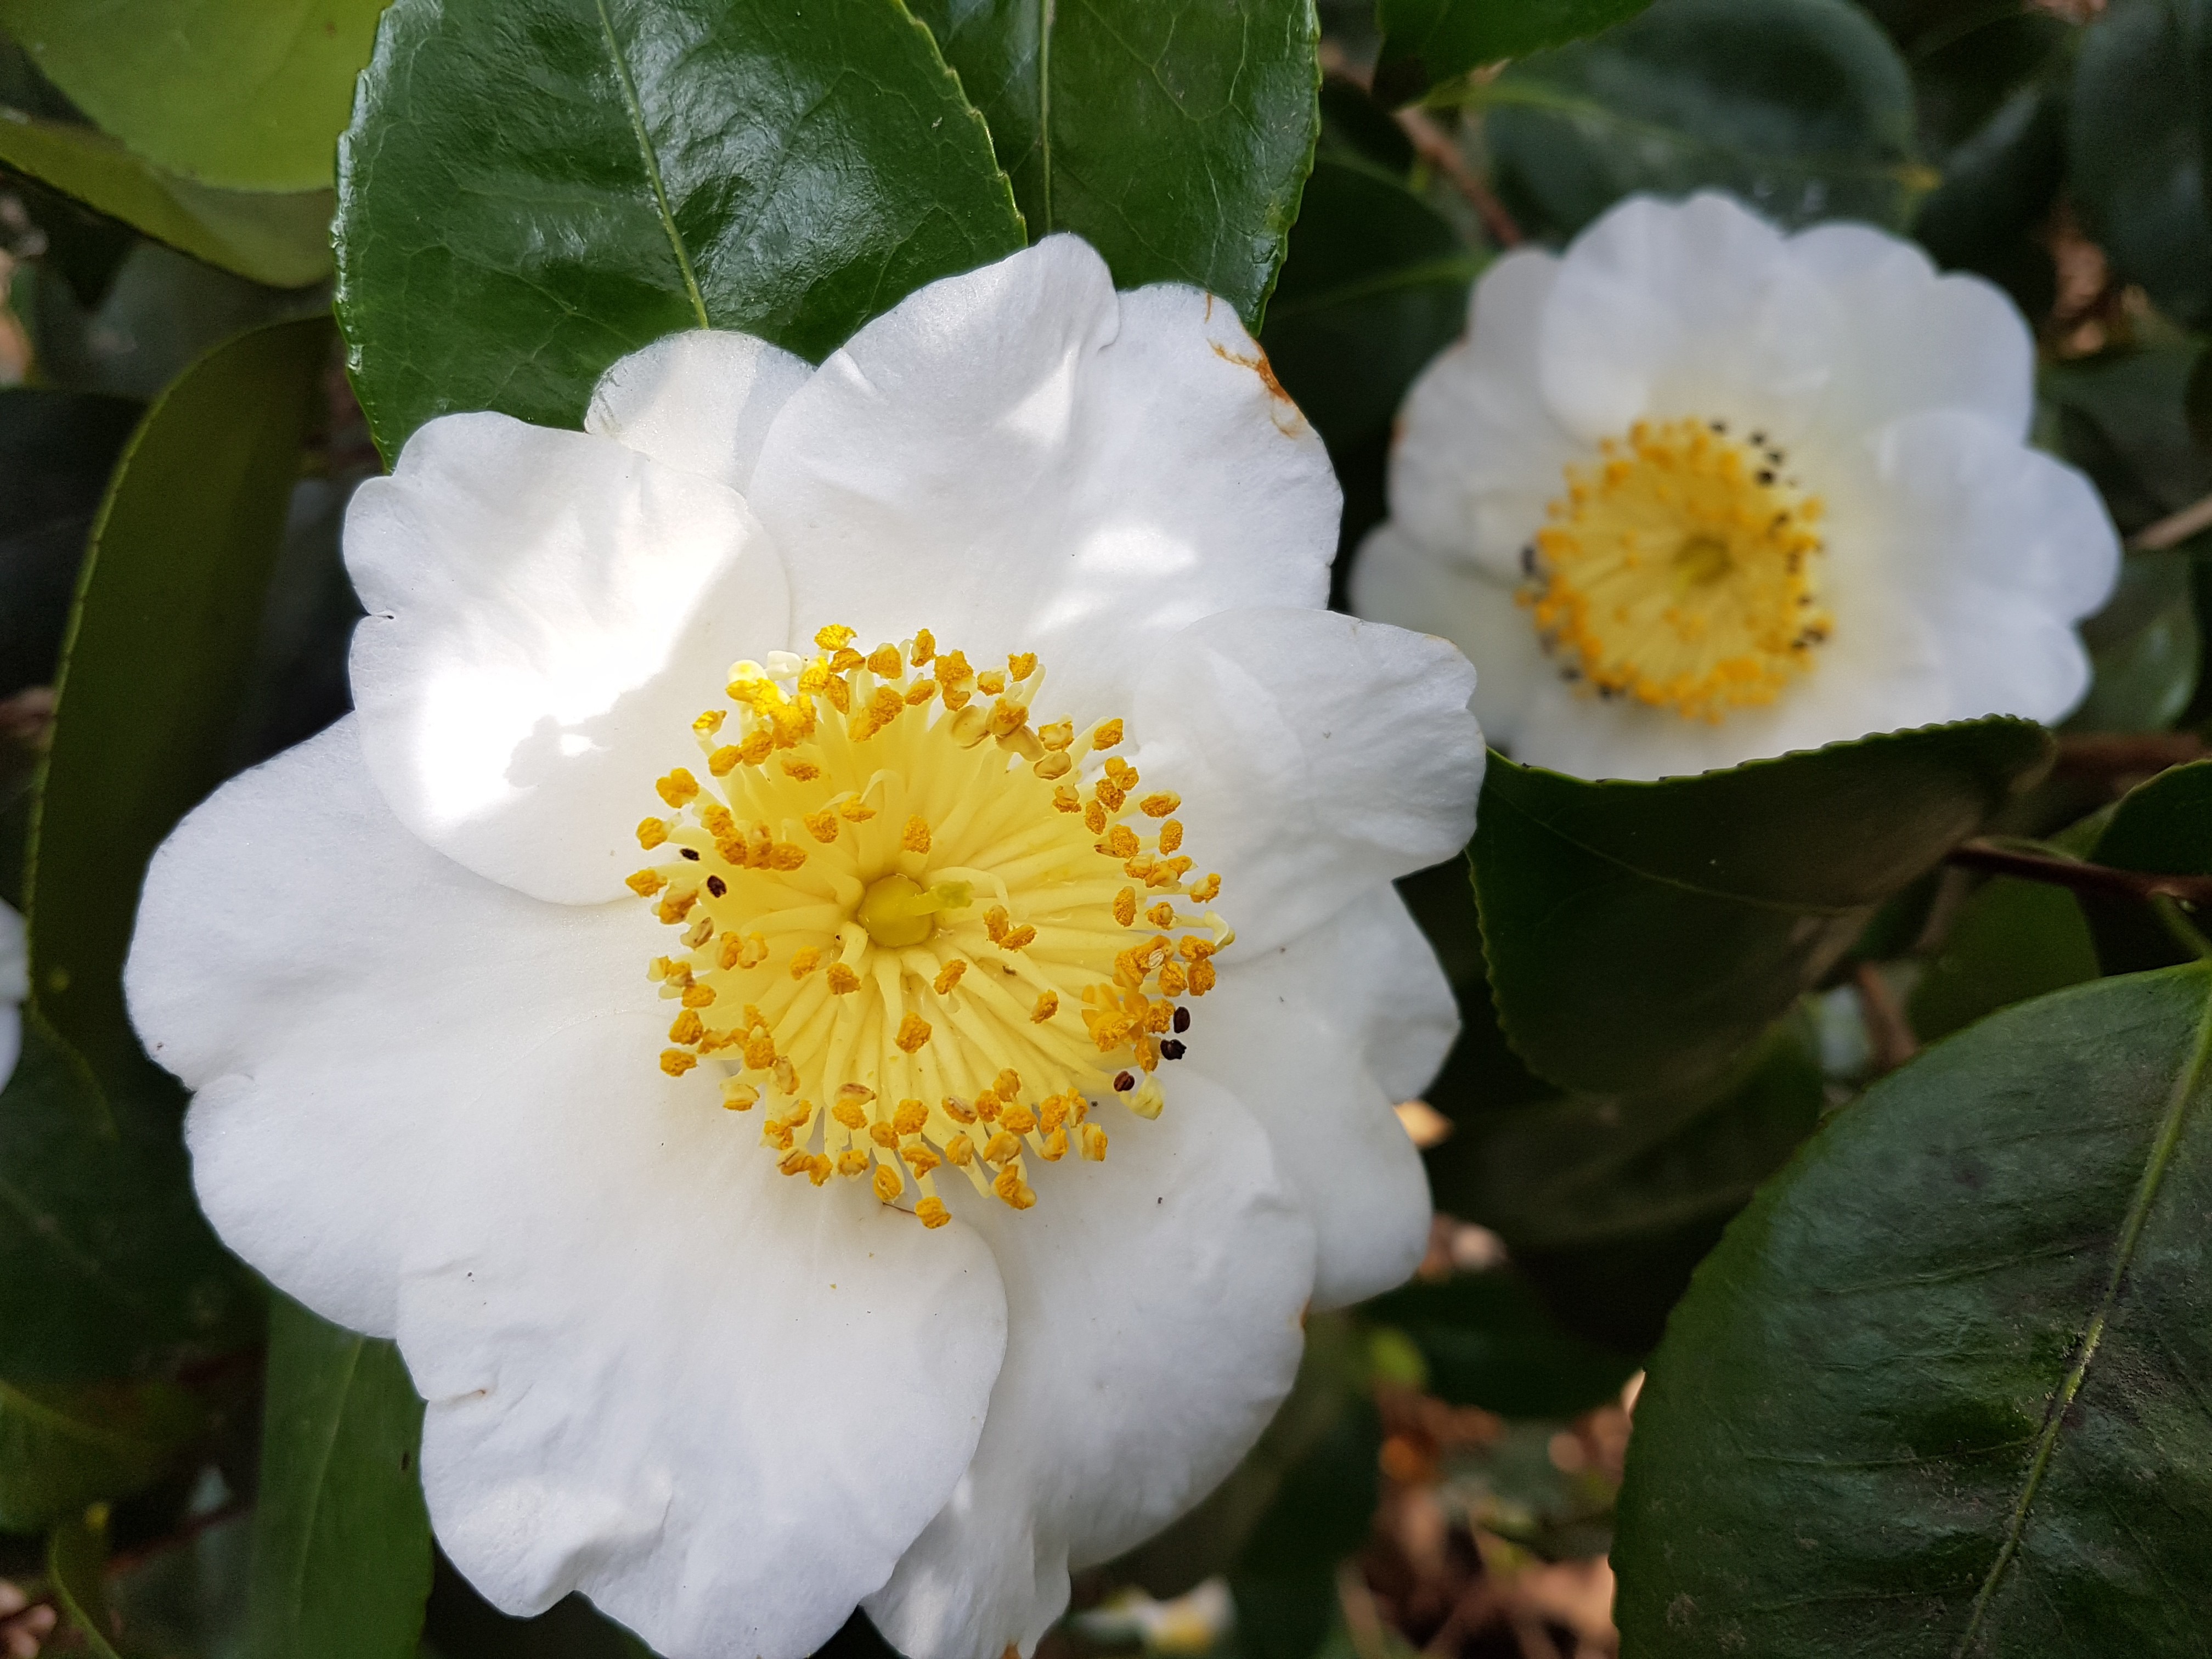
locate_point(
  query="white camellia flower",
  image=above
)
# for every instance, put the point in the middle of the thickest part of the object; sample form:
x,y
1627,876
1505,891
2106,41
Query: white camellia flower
x,y
15,986
903,1181
1699,492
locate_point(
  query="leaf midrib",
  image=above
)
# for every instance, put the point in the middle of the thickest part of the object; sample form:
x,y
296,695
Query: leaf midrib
x,y
2187,1086
297,1596
651,160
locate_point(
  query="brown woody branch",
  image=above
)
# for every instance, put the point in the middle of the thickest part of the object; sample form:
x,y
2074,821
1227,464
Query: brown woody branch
x,y
2081,878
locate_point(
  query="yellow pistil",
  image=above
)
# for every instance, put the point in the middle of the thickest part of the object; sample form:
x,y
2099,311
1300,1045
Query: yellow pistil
x,y
1682,571
898,899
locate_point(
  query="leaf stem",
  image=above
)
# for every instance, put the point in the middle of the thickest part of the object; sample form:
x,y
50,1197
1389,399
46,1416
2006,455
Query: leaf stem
x,y
2084,877
2185,1091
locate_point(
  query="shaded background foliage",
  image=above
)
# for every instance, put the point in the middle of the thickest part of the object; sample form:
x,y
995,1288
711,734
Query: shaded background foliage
x,y
1914,1339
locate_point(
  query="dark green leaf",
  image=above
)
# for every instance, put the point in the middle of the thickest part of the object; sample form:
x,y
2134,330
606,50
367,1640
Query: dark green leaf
x,y
1173,138
56,448
2163,828
1640,935
1988,214
2011,940
64,1445
1940,1391
2145,647
2136,151
1594,1169
283,240
188,1601
1969,58
531,190
106,1269
1802,107
1375,285
1426,41
225,91
341,1539
76,1557
2123,419
1488,1340
1482,1073
167,617
461,1625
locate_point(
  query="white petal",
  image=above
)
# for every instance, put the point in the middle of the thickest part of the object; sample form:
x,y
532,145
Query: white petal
x,y
699,402
547,613
1373,965
1273,1032
1913,340
1962,500
1398,581
333,990
1153,1310
719,1401
1691,309
1020,461
1315,755
1477,453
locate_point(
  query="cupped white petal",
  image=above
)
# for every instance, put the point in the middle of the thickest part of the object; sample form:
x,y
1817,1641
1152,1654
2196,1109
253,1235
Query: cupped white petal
x,y
1911,339
1691,309
333,990
1022,460
547,611
1372,966
699,402
1477,451
718,1402
1398,581
1315,753
1153,1308
1289,1032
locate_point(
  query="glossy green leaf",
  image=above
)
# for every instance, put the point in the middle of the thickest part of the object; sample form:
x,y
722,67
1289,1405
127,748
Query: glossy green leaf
x,y
1375,285
65,1445
2163,828
1172,138
1939,1393
2011,940
155,669
248,94
56,448
1488,1340
283,240
1640,935
341,1539
76,1557
2136,154
1802,107
531,190
2145,649
1425,41
106,1269
1990,213
2123,419
1593,1170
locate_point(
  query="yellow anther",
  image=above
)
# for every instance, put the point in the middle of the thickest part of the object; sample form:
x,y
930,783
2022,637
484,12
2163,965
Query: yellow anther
x,y
1125,906
920,1158
1106,734
913,1033
957,1109
753,952
710,722
686,1027
835,637
1007,1085
739,1096
1054,765
1202,977
852,1162
1003,1149
698,996
678,787
676,1062
646,883
920,693
991,683
1172,981
850,1115
986,1106
911,1117
1206,892
839,691
843,982
805,961
1011,1188
786,856
924,648
1094,818
960,1149
760,1052
1160,804
1094,1143
890,1183
786,1081
915,836
1054,1147
651,832
932,1212
884,1136
1110,794
853,809
1067,799
1171,834
822,825
1020,665
1121,841
756,745
797,1163
883,662
1016,1120
1045,1007
799,771
845,659
1018,939
995,922
945,981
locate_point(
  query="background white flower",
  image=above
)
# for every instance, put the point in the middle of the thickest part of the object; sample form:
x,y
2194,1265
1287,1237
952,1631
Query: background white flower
x,y
721,1389
15,987
1699,492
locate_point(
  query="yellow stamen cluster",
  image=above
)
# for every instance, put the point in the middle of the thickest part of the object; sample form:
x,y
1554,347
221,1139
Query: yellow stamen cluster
x,y
923,931
1682,571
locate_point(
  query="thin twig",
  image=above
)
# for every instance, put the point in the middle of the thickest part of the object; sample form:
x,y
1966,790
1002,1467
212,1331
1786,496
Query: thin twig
x,y
1435,146
2173,528
2126,754
1888,1031
1363,1620
2083,878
